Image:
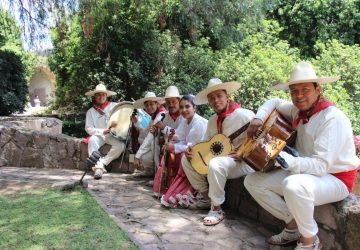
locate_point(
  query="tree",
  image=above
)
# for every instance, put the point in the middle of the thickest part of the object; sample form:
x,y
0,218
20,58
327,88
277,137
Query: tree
x,y
309,21
13,86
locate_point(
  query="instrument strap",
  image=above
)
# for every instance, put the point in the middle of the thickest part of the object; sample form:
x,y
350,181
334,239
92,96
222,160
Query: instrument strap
x,y
239,131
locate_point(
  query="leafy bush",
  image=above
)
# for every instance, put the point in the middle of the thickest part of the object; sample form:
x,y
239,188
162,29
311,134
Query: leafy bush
x,y
13,86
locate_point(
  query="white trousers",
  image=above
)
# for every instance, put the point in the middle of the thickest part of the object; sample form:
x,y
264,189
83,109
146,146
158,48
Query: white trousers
x,y
117,147
220,169
293,196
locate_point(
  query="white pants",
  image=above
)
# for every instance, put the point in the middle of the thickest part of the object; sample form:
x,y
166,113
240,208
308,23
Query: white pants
x,y
220,169
293,196
117,147
147,161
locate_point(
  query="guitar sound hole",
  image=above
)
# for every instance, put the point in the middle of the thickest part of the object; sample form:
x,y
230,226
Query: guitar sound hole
x,y
216,148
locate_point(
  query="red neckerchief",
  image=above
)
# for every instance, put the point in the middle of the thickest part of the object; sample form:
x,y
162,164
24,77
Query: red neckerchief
x,y
319,105
158,110
100,108
231,106
175,115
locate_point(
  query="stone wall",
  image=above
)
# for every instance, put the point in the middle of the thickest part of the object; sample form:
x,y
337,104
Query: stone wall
x,y
338,222
44,146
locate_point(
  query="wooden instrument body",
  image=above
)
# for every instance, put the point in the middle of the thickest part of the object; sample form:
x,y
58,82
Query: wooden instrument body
x,y
203,152
260,153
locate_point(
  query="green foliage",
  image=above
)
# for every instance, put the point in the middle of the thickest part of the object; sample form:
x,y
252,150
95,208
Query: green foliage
x,y
10,40
258,62
336,58
52,219
306,22
13,86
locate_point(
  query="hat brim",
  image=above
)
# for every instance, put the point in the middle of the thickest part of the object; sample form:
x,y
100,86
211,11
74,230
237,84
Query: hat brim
x,y
319,80
229,87
140,104
93,92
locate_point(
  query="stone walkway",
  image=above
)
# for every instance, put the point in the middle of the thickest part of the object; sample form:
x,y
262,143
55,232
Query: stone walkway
x,y
130,203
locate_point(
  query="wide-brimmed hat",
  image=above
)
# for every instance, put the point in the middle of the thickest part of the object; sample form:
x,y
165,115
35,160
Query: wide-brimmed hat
x,y
172,91
100,88
149,96
304,72
213,85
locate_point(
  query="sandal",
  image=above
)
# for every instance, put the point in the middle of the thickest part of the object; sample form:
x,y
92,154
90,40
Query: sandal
x,y
214,217
314,246
287,236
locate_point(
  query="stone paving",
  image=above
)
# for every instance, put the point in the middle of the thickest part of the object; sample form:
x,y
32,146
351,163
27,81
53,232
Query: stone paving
x,y
130,203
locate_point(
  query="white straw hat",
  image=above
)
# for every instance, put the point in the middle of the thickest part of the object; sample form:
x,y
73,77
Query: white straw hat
x,y
213,85
149,96
172,91
100,88
304,72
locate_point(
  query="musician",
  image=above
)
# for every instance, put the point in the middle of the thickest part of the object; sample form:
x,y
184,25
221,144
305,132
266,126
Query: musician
x,y
96,126
148,154
228,118
191,131
172,118
325,170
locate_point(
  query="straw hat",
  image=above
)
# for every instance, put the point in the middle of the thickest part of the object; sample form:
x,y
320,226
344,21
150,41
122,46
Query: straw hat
x,y
100,88
149,96
213,85
172,91
304,72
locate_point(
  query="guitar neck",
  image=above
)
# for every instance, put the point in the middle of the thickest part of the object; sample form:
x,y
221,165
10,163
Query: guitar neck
x,y
239,131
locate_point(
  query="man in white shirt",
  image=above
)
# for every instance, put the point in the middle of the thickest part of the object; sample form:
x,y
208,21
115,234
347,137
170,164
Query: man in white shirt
x,y
96,126
147,156
323,173
228,118
172,118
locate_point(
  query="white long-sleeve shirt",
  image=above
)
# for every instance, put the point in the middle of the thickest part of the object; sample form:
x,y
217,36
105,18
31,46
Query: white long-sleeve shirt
x,y
148,143
96,123
188,134
171,124
231,123
325,143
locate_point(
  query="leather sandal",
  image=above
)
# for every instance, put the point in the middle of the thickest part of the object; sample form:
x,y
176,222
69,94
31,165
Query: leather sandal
x,y
214,217
314,246
287,236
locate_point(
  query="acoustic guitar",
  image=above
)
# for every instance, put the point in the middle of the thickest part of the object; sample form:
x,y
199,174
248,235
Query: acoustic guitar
x,y
218,145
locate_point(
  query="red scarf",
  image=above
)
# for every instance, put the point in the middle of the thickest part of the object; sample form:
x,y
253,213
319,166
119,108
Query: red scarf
x,y
100,108
231,106
158,110
175,115
318,106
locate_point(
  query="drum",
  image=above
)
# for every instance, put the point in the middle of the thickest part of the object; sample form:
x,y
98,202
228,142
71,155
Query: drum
x,y
119,120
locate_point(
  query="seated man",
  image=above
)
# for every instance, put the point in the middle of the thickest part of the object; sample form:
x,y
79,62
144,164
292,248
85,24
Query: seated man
x,y
149,151
228,118
172,118
96,127
323,173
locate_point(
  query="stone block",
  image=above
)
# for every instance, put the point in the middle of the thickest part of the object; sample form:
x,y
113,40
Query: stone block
x,y
32,158
40,140
327,239
326,215
12,154
21,138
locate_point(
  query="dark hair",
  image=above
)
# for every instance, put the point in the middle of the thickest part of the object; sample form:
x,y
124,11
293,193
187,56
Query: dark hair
x,y
189,98
315,84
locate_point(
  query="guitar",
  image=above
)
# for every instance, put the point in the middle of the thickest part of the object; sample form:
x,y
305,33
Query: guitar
x,y
218,145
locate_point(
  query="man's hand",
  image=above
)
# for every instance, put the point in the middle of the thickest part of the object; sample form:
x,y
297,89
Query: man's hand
x,y
152,129
161,125
188,153
134,118
106,131
255,125
137,163
233,155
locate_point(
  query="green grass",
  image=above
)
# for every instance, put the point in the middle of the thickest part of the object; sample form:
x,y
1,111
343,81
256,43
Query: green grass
x,y
51,219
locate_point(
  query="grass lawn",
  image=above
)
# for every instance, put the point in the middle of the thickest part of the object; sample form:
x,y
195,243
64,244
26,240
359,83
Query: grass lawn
x,y
51,219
